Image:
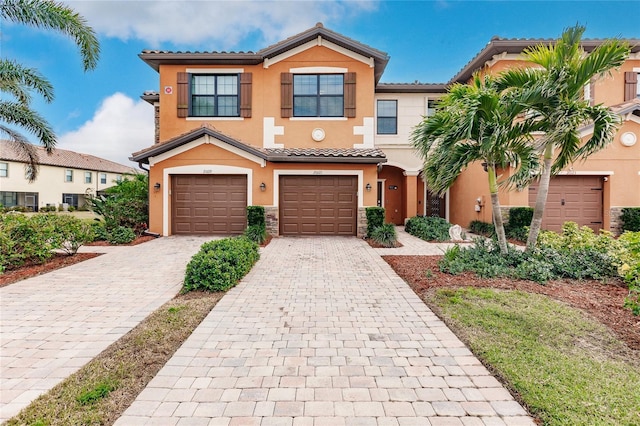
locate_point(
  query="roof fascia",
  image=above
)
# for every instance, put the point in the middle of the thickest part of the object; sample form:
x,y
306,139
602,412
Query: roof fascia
x,y
157,58
312,159
318,42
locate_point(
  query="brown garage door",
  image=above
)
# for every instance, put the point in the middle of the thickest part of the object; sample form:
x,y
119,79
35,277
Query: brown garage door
x,y
318,205
571,198
209,204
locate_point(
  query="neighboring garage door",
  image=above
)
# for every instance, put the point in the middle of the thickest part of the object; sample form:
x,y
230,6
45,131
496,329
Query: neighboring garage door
x,y
318,205
209,204
571,198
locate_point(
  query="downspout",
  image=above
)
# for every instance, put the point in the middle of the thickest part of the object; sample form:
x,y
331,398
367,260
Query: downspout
x,y
146,231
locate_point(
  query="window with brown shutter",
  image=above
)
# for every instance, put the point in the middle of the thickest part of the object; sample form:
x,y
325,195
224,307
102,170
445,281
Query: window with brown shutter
x,y
183,94
630,85
350,94
245,94
286,94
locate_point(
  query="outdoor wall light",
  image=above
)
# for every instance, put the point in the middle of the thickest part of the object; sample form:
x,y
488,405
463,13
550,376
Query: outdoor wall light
x,y
263,187
368,187
156,187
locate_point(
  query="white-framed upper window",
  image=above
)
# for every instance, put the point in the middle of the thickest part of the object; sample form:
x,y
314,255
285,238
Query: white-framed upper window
x,y
119,178
318,95
432,107
387,117
68,175
87,177
215,95
103,178
4,169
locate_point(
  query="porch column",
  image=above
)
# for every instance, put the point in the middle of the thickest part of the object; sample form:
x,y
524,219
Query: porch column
x,y
411,186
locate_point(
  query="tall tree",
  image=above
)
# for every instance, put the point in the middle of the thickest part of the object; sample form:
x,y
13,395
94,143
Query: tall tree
x,y
475,122
565,69
19,82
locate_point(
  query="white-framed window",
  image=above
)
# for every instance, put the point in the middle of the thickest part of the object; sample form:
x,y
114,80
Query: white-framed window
x,y
215,95
432,107
387,117
119,178
318,95
87,177
4,169
103,178
68,175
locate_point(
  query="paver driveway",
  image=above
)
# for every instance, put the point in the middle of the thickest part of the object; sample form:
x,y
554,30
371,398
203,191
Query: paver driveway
x,y
52,325
323,332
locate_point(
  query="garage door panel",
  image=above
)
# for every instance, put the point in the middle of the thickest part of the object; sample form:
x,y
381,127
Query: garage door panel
x,y
318,205
572,198
209,204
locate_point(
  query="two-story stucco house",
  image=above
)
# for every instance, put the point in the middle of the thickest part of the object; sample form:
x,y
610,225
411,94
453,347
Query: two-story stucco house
x,y
305,128
64,177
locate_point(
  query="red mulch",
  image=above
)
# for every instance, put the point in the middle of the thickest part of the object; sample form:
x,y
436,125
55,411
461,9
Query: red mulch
x,y
604,301
59,260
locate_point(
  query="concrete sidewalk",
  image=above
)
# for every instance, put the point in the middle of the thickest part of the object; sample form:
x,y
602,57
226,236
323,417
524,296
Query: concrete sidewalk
x,y
323,332
53,324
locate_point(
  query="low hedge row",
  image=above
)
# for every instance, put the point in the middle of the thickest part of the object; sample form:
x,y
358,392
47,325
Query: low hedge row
x,y
428,228
220,264
33,239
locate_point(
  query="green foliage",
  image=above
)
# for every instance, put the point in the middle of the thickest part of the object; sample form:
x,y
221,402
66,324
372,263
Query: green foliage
x,y
256,233
255,216
517,227
99,230
428,228
629,269
482,228
97,392
126,204
630,219
385,235
47,209
220,264
120,235
33,239
375,218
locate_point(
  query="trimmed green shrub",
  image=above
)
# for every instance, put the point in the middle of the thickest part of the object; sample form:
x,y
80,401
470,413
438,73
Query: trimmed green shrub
x,y
519,221
220,264
71,233
375,218
482,228
256,233
385,235
120,235
255,216
630,219
428,228
99,231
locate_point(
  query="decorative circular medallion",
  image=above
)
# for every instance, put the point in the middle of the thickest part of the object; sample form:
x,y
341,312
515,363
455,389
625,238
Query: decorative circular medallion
x,y
317,134
628,139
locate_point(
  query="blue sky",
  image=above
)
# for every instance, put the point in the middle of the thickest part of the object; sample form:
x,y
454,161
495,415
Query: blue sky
x,y
100,112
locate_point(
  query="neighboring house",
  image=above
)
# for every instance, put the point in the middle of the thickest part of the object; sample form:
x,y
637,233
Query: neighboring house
x,y
64,177
305,128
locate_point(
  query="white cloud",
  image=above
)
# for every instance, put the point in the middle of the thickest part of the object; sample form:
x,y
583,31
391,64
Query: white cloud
x,y
119,127
222,23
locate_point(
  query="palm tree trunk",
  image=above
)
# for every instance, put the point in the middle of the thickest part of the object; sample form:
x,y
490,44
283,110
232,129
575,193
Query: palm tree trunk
x,y
541,199
496,212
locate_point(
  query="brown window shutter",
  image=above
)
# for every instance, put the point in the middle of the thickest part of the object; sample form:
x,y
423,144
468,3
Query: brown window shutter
x,y
630,85
183,94
350,94
245,94
286,94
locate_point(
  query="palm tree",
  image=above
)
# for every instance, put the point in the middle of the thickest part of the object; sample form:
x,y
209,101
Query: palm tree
x,y
564,71
19,82
475,122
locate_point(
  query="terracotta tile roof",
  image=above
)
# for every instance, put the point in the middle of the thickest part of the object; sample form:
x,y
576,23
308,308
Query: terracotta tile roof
x,y
63,158
326,152
632,106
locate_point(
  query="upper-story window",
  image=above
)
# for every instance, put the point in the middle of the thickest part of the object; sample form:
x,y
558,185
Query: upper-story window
x,y
4,169
387,117
432,107
318,95
214,95
103,178
68,175
87,177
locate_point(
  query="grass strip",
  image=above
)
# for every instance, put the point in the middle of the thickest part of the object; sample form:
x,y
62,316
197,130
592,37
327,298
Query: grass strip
x,y
99,392
567,368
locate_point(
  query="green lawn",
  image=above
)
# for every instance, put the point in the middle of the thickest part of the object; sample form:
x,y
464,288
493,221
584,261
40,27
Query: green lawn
x,y
567,368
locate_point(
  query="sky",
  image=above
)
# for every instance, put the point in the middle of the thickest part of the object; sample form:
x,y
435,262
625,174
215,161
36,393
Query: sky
x,y
100,112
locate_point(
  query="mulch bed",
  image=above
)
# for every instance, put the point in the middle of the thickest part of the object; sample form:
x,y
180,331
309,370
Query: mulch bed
x,y
603,301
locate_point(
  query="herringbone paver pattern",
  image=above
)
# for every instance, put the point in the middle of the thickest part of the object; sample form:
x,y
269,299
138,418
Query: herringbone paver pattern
x,y
323,332
53,324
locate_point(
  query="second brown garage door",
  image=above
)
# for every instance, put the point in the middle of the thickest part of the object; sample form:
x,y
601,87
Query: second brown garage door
x,y
209,204
571,198
318,205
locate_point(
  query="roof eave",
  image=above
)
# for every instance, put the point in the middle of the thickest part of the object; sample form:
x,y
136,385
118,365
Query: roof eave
x,y
412,88
155,59
314,159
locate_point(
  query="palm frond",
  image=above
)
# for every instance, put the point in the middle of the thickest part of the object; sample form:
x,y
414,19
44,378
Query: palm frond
x,y
18,81
25,151
15,113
